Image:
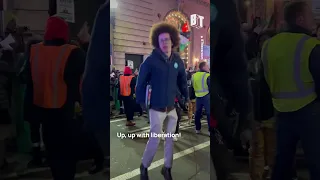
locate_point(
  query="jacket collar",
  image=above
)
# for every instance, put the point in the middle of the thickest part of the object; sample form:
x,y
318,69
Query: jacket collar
x,y
298,29
163,56
202,71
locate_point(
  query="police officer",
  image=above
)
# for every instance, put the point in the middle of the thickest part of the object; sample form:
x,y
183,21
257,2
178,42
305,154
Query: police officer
x,y
201,83
291,70
53,73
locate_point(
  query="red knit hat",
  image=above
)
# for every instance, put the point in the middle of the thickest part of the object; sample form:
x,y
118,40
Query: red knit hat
x,y
127,70
56,28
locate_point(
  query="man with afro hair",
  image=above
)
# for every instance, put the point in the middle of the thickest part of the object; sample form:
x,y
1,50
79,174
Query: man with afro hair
x,y
163,70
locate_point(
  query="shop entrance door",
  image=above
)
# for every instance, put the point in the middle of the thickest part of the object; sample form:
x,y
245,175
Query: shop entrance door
x,y
133,60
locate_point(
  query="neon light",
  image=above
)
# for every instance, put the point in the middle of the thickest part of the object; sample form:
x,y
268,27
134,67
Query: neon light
x,y
201,48
196,21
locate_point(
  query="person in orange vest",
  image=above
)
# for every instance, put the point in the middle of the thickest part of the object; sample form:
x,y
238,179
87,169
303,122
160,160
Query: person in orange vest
x,y
53,73
127,84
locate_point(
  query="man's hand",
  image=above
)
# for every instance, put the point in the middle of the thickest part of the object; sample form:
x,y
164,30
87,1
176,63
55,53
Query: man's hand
x,y
83,34
258,29
77,107
247,129
245,137
143,106
186,104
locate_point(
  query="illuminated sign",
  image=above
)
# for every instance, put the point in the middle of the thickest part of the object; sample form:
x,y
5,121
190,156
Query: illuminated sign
x,y
206,52
196,21
201,48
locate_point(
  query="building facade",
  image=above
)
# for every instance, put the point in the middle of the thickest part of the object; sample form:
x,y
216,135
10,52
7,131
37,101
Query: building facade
x,y
132,20
34,13
31,13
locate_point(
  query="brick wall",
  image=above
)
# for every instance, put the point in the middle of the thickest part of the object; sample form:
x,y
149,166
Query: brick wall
x,y
132,23
31,13
134,18
34,13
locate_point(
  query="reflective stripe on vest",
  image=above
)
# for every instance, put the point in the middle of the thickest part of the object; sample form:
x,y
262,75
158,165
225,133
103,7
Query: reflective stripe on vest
x,y
125,89
200,87
49,93
302,91
203,84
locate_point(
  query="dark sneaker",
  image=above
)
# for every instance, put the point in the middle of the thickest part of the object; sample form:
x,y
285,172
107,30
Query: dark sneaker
x,y
143,173
166,172
130,123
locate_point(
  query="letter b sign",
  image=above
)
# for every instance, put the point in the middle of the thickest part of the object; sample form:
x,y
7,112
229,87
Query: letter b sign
x,y
196,21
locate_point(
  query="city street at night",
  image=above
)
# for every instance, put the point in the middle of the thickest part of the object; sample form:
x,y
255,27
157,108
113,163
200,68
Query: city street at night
x,y
44,173
191,154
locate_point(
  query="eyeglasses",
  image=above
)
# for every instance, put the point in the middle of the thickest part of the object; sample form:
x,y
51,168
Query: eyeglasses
x,y
165,40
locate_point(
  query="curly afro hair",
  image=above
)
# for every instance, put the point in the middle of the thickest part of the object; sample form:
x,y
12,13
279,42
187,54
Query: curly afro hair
x,y
164,27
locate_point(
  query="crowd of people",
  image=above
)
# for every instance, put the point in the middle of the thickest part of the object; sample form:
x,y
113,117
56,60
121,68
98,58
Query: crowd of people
x,y
55,117
48,113
163,88
123,102
123,98
268,77
41,99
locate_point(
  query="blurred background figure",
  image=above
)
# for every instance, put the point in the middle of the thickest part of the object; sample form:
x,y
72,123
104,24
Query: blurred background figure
x,y
7,129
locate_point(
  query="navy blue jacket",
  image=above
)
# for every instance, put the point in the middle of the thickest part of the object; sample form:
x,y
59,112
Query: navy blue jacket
x,y
164,75
95,85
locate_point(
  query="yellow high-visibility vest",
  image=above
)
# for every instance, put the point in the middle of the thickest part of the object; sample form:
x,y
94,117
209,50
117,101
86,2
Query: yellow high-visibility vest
x,y
199,83
285,60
